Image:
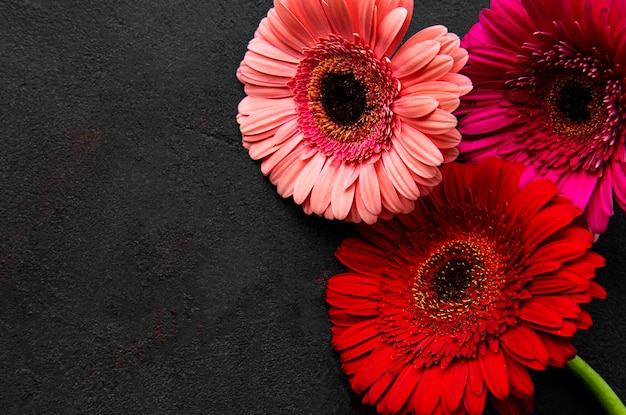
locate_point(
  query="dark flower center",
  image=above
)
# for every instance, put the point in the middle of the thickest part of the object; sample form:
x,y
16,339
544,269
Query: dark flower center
x,y
457,274
574,100
574,104
343,98
452,279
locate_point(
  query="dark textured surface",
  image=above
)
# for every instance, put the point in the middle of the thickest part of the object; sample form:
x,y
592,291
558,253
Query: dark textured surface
x,y
146,265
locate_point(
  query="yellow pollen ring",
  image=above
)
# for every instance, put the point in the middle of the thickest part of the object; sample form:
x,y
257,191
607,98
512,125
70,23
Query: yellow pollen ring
x,y
557,118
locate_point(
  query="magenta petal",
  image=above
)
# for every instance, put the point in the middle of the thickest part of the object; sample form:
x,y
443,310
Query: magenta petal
x,y
578,186
486,120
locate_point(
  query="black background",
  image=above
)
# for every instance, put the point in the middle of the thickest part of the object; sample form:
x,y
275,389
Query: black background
x,y
146,264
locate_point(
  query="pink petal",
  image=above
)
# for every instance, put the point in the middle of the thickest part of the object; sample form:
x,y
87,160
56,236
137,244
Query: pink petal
x,y
464,83
270,66
247,75
264,119
283,34
312,16
286,173
436,69
431,87
389,197
619,182
342,197
449,139
414,106
359,211
386,7
417,167
267,92
322,189
388,30
369,188
600,207
260,149
510,32
411,59
419,146
264,48
428,33
399,174
497,60
295,138
339,17
486,120
578,186
306,178
363,19
294,25
438,122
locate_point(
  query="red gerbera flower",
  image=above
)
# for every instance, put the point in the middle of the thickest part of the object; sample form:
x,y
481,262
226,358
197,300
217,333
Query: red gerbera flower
x,y
340,126
452,303
549,85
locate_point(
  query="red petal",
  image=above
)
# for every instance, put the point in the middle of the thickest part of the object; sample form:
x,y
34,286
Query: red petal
x,y
403,387
508,406
559,251
560,304
341,319
541,267
356,334
474,401
428,391
547,222
567,330
454,383
360,256
532,198
373,369
521,383
493,368
524,342
476,381
352,284
559,350
375,392
534,311
360,349
550,285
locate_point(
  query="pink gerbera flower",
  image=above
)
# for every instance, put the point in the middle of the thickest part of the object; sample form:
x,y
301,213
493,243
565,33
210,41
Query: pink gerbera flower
x,y
549,91
349,133
451,304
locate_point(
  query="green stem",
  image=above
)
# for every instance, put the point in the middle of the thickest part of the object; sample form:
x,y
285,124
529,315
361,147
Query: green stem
x,y
598,386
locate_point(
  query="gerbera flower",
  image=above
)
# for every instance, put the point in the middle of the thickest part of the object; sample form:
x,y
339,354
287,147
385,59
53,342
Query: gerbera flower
x,y
349,133
452,303
549,92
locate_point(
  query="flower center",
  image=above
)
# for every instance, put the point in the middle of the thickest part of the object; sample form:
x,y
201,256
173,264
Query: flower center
x,y
452,279
574,105
343,98
343,95
459,275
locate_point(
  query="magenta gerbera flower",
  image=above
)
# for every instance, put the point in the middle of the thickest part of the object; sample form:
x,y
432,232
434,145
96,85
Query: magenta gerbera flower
x,y
549,91
450,305
341,127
